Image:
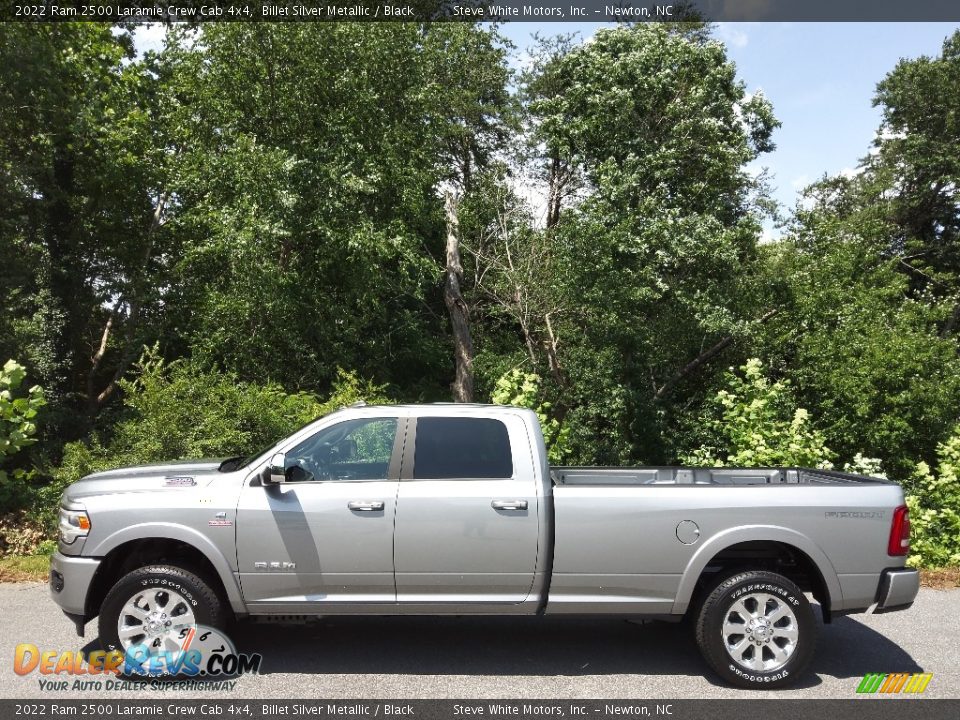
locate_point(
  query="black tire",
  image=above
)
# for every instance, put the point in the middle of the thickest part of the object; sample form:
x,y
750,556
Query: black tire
x,y
719,607
206,605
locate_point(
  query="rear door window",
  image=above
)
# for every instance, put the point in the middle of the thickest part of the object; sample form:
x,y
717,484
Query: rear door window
x,y
467,448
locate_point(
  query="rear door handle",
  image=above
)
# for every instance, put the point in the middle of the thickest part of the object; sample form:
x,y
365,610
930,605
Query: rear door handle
x,y
365,505
509,504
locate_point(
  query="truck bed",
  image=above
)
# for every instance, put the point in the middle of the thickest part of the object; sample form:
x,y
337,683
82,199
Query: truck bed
x,y
625,539
665,475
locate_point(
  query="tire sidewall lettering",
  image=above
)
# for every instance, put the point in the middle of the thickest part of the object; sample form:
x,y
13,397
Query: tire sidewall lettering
x,y
177,586
759,678
768,588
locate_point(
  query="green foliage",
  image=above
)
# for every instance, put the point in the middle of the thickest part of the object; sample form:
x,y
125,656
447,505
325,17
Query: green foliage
x,y
934,502
81,164
350,388
183,411
917,166
757,424
869,280
655,263
861,465
18,426
856,343
522,389
309,215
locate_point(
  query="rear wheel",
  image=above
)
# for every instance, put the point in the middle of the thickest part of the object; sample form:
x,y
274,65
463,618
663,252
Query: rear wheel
x,y
756,629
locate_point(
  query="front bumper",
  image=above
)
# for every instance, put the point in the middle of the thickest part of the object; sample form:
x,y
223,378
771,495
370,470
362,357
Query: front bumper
x,y
898,589
70,578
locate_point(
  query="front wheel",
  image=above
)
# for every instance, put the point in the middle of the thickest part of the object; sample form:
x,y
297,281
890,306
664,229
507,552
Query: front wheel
x,y
156,607
756,629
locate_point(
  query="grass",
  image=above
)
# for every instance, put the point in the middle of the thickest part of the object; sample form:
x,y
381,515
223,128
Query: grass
x,y
940,578
24,568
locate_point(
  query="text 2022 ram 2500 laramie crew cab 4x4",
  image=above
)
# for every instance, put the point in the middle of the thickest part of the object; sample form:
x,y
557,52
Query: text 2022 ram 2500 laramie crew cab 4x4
x,y
453,509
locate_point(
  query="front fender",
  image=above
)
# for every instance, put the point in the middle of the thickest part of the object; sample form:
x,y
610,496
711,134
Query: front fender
x,y
754,533
182,533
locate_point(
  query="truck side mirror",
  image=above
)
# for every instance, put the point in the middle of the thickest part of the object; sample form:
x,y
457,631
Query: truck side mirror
x,y
275,472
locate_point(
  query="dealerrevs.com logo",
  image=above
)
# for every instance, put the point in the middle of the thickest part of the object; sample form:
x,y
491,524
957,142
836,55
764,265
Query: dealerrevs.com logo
x,y
893,683
197,655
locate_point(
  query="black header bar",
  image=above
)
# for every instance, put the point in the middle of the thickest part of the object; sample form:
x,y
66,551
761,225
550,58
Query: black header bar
x,y
483,10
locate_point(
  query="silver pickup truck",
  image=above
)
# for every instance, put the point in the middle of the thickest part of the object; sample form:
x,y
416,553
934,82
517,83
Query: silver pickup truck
x,y
453,509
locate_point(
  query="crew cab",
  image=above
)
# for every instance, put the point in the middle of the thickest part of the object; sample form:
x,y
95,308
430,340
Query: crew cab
x,y
454,509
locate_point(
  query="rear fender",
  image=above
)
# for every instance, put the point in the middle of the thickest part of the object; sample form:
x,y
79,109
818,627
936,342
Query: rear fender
x,y
752,533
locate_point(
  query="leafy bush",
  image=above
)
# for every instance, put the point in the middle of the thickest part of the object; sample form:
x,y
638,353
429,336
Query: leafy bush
x,y
522,389
934,502
757,424
17,428
869,466
182,410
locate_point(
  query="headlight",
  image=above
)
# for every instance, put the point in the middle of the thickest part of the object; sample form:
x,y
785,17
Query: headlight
x,y
73,524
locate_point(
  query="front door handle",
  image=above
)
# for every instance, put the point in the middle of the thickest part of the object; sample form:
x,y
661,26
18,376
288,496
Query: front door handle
x,y
365,505
509,504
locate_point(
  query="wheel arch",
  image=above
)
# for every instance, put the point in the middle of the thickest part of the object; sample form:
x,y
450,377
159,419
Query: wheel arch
x,y
144,545
754,547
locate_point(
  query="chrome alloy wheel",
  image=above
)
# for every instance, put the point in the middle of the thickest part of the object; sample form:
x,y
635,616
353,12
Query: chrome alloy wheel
x,y
155,618
760,632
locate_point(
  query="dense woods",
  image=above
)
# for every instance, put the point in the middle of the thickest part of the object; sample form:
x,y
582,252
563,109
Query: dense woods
x,y
206,246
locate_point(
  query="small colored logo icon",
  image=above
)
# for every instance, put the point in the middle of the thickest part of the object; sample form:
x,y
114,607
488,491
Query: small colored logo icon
x,y
891,683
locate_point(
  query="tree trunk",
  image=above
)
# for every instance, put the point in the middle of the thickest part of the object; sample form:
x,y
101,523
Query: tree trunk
x,y
553,357
462,386
555,194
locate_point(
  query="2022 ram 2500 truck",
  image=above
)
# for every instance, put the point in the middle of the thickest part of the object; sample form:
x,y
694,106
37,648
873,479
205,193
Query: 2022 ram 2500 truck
x,y
453,509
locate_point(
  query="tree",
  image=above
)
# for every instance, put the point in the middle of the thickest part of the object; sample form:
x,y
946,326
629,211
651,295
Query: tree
x,y
472,110
462,385
306,205
83,166
550,153
917,165
867,280
858,346
659,256
515,270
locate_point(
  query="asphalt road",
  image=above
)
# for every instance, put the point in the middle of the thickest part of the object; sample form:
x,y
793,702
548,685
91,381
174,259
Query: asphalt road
x,y
519,658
